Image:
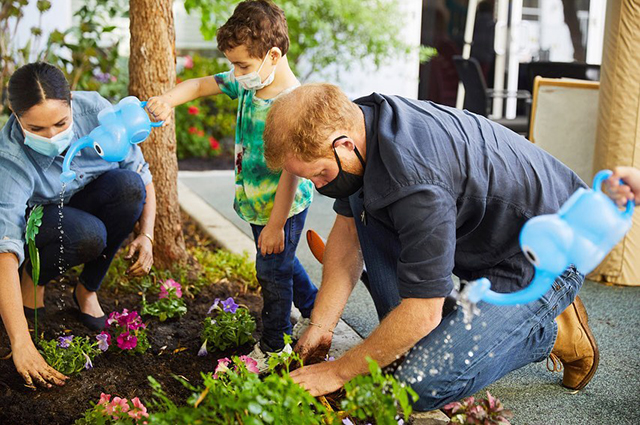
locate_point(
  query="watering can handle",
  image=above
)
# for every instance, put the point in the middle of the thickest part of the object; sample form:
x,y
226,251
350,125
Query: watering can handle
x,y
153,124
597,186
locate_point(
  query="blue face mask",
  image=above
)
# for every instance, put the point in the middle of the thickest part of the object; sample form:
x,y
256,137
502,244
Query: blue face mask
x,y
49,146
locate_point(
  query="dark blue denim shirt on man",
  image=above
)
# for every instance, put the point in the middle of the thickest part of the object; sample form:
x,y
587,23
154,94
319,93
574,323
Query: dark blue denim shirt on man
x,y
456,189
28,178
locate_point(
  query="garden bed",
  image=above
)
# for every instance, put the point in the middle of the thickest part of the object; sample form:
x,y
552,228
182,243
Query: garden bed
x,y
174,348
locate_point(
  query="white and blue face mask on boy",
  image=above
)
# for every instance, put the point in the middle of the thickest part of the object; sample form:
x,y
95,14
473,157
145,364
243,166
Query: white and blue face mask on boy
x,y
49,146
252,80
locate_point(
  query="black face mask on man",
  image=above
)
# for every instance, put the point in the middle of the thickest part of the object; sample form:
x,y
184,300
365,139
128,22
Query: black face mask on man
x,y
345,184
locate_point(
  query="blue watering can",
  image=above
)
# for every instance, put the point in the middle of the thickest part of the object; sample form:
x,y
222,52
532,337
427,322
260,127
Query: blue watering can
x,y
582,233
121,126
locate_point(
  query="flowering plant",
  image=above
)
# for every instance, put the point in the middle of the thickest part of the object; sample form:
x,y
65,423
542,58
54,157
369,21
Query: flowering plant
x,y
128,330
70,354
284,357
115,411
235,394
170,303
489,411
377,396
237,363
233,326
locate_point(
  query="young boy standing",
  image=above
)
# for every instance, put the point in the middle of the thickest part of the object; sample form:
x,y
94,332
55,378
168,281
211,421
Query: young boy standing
x,y
255,40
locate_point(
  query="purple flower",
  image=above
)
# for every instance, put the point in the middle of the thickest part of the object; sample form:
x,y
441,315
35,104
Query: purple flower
x,y
229,305
64,341
88,365
103,77
203,350
104,340
347,421
213,306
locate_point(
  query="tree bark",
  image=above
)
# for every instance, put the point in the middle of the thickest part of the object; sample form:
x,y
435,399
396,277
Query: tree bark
x,y
152,71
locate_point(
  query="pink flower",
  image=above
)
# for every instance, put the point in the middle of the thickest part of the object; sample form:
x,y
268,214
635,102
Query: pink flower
x,y
222,367
139,410
188,62
169,285
104,398
193,110
215,145
126,341
192,130
251,364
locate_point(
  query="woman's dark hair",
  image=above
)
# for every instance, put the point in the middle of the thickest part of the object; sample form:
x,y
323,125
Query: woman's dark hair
x,y
34,83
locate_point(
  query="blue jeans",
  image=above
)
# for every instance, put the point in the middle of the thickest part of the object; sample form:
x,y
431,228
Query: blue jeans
x,y
453,361
283,281
95,223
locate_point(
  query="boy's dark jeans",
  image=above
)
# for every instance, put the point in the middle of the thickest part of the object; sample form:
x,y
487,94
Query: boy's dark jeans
x,y
95,223
283,281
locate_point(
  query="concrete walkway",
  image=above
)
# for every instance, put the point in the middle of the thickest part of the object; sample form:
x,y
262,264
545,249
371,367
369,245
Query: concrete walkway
x,y
532,393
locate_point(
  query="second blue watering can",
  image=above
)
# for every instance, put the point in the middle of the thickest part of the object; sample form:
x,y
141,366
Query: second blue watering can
x,y
582,233
121,126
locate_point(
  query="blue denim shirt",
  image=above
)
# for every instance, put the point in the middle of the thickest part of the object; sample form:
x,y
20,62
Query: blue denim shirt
x,y
456,189
28,178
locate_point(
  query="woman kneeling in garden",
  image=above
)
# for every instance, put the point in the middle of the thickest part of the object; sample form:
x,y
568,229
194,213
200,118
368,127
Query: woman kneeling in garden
x,y
101,207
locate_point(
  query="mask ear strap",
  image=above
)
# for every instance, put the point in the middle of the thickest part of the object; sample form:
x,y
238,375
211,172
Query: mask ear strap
x,y
333,145
357,152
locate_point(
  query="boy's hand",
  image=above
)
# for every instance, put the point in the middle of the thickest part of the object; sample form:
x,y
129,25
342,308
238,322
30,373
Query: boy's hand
x,y
271,240
629,190
159,109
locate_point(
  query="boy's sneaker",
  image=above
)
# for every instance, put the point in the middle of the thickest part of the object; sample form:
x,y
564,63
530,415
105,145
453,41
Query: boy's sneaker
x,y
300,327
261,357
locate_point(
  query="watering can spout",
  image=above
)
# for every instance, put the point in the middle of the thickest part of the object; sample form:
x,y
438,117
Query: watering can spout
x,y
67,174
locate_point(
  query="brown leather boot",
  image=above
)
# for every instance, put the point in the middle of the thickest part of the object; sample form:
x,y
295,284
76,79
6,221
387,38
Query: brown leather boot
x,y
575,348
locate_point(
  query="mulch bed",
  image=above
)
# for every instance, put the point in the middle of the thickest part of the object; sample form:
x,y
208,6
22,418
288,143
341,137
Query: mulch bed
x,y
174,347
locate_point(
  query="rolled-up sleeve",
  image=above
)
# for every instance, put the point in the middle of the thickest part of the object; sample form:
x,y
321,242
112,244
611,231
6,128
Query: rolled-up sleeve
x,y
135,162
341,206
17,187
426,225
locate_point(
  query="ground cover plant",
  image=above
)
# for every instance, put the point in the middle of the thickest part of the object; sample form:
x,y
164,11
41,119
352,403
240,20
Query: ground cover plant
x,y
164,380
169,304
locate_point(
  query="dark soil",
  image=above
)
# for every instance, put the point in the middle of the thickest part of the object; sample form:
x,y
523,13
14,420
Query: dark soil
x,y
174,347
222,162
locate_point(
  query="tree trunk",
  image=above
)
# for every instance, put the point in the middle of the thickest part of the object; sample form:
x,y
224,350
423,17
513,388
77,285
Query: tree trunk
x,y
152,71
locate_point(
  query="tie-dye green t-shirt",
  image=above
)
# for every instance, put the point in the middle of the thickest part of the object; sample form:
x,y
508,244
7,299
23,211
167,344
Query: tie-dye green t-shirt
x,y
255,184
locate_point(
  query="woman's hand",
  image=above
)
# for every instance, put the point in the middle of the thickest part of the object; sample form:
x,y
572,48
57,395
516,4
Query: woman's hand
x,y
271,240
33,369
159,109
142,246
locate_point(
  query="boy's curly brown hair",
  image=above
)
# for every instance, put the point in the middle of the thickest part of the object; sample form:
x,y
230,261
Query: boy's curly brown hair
x,y
259,25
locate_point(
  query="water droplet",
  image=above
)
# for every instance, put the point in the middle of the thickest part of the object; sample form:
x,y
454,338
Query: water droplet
x,y
468,326
434,393
470,353
433,371
491,354
475,348
419,378
467,361
484,324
